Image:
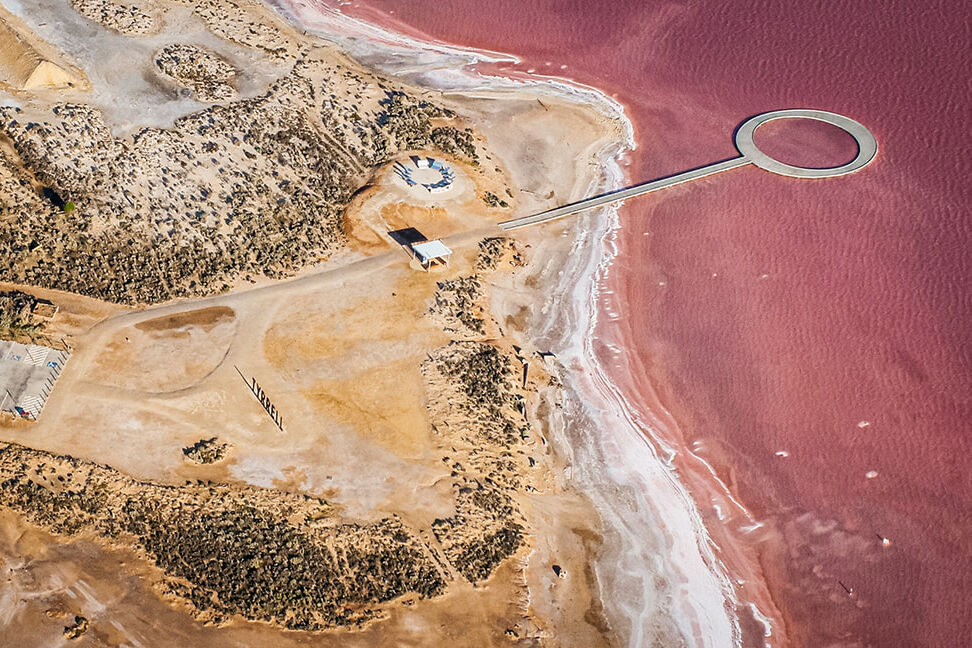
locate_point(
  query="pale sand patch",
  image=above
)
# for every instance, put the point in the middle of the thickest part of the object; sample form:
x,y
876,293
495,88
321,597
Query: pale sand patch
x,y
383,404
166,354
29,63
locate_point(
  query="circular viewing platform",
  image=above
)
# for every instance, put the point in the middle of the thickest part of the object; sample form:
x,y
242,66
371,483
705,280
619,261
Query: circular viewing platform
x,y
425,173
746,144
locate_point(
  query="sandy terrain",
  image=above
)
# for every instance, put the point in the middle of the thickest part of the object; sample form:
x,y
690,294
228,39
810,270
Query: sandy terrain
x,y
373,370
28,63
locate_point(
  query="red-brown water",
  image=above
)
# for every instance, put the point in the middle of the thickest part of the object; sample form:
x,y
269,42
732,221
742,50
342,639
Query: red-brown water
x,y
826,320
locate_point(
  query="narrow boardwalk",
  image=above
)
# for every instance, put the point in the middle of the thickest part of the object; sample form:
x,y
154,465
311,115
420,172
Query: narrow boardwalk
x,y
749,154
623,194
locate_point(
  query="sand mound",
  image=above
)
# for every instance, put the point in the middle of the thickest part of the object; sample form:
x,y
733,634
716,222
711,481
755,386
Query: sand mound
x,y
48,75
25,64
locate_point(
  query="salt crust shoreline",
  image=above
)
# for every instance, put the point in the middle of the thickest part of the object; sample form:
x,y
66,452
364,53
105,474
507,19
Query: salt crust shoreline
x,y
698,594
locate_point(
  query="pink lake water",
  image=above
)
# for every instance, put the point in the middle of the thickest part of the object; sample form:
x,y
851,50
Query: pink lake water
x,y
810,339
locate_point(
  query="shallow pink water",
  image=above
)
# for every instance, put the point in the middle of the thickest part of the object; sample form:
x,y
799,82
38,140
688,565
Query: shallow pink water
x,y
806,143
827,319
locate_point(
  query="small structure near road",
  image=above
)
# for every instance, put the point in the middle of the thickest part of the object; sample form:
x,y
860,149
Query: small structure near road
x,y
28,373
430,253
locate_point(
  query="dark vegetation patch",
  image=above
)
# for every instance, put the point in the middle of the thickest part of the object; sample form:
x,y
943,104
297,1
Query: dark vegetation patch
x,y
15,310
495,249
206,451
455,142
476,388
252,187
208,75
124,18
457,306
474,402
17,321
493,200
261,554
484,532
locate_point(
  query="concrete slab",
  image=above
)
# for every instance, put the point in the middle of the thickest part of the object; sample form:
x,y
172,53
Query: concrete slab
x,y
28,372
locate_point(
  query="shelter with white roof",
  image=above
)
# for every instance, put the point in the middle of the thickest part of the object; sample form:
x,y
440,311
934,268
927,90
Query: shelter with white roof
x,y
430,253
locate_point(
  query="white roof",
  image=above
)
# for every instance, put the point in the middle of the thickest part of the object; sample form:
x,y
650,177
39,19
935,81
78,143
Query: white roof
x,y
427,250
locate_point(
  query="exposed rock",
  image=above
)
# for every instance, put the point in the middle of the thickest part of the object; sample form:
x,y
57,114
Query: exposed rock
x,y
76,629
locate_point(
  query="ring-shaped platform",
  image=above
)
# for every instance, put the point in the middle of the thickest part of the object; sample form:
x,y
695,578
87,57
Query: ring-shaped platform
x,y
866,144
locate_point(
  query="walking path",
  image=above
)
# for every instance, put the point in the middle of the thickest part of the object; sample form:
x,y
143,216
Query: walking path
x,y
750,154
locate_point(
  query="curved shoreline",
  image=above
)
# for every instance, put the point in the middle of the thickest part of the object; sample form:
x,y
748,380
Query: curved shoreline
x,y
704,619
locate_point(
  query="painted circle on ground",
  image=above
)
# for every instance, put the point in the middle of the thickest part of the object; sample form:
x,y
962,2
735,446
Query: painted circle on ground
x,y
866,144
426,176
426,172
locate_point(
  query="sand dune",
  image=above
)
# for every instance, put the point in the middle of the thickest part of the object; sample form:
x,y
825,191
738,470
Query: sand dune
x,y
28,63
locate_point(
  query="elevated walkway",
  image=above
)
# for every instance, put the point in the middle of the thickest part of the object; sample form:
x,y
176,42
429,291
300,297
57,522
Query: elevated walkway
x,y
749,154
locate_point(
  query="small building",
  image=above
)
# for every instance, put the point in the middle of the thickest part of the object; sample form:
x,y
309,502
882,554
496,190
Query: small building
x,y
430,253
